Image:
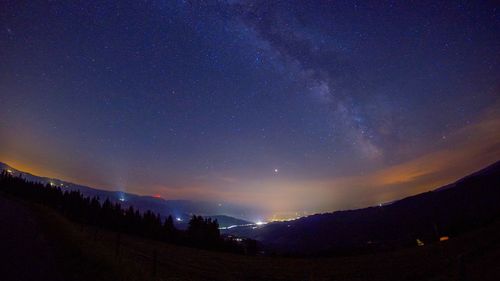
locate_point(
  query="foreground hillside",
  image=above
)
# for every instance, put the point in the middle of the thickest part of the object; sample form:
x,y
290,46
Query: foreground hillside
x,y
67,251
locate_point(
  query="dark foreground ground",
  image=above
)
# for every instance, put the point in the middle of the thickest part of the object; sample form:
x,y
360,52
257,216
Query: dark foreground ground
x,y
38,244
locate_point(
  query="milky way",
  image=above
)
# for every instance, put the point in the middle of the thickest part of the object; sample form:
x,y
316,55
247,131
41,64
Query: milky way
x,y
287,106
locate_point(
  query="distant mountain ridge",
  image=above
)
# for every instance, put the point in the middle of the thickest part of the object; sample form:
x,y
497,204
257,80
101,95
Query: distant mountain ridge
x,y
450,210
181,210
468,203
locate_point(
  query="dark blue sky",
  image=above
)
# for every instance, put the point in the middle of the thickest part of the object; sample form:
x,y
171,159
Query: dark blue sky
x,y
354,103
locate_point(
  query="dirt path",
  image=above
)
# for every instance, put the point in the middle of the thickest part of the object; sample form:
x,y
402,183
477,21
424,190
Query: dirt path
x,y
25,253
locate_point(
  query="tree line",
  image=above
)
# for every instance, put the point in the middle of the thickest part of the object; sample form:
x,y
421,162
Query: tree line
x,y
201,232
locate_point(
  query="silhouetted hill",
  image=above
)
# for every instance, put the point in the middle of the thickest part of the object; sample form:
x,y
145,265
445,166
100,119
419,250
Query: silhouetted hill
x,y
225,221
469,203
182,210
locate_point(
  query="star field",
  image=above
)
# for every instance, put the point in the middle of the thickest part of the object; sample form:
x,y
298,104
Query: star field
x,y
284,105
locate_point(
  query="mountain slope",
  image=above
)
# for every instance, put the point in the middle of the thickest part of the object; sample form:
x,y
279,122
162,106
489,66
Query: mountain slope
x,y
82,255
448,211
228,214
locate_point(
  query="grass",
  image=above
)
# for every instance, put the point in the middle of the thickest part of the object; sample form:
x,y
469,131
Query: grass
x,y
78,256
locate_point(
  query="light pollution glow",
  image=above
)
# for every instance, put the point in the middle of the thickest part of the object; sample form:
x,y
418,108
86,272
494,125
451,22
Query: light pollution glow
x,y
291,107
465,151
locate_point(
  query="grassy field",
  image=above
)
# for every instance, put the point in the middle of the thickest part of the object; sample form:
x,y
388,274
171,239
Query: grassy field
x,y
87,253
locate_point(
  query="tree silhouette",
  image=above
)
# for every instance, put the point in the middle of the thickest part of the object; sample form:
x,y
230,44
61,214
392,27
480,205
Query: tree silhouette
x,y
202,232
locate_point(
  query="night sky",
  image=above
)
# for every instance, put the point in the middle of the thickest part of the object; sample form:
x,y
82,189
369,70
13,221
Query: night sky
x,y
285,106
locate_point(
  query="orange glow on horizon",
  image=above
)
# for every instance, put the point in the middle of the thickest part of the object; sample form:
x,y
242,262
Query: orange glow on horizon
x,y
467,150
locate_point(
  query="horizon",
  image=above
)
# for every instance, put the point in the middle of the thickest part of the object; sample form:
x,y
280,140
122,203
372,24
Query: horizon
x,y
284,107
256,219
